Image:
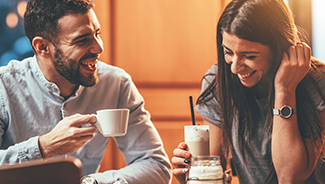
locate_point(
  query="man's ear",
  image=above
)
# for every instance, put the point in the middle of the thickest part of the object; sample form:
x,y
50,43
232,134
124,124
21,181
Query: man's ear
x,y
41,46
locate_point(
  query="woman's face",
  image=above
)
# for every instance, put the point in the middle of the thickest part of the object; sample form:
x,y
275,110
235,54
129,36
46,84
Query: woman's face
x,y
250,61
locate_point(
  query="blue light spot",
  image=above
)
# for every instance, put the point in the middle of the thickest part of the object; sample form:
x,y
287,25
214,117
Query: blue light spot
x,y
7,56
22,46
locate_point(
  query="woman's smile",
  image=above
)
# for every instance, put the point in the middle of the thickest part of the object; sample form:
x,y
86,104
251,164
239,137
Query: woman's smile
x,y
250,61
247,75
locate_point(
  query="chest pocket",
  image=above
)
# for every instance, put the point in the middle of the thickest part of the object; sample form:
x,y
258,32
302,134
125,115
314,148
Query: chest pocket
x,y
96,147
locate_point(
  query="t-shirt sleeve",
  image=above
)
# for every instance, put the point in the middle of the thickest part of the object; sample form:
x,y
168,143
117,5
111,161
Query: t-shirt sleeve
x,y
209,110
318,94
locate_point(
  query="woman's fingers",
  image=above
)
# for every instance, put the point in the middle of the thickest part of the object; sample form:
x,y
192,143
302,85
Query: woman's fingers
x,y
292,53
307,51
181,159
303,53
180,162
179,171
300,55
182,145
181,153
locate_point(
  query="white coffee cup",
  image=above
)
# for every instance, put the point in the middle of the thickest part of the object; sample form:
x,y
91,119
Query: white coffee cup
x,y
112,122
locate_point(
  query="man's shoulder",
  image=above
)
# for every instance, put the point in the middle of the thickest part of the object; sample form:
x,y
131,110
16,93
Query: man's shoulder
x,y
15,66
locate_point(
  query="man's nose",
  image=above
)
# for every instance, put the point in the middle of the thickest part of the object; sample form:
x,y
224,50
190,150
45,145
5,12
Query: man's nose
x,y
97,46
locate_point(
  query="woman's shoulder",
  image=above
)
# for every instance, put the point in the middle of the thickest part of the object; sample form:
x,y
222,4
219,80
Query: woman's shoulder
x,y
212,70
210,74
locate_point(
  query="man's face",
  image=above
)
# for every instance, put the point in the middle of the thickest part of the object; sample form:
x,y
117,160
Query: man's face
x,y
78,49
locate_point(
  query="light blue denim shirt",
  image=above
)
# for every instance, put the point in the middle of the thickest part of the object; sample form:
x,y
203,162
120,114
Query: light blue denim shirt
x,y
31,106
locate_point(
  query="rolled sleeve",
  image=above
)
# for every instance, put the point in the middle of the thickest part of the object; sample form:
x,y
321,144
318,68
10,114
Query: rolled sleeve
x,y
21,152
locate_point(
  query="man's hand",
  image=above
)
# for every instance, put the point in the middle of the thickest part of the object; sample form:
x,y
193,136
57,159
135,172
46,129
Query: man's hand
x,y
67,136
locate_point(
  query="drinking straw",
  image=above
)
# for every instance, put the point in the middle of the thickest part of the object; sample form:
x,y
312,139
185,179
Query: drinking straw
x,y
192,111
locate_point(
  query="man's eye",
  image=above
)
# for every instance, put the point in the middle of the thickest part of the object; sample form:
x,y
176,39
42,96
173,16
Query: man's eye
x,y
250,57
83,41
226,52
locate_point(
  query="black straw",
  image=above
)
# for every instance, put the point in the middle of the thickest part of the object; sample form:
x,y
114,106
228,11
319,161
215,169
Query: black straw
x,y
192,111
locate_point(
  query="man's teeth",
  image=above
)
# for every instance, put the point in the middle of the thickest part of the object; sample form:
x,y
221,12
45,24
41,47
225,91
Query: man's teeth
x,y
89,64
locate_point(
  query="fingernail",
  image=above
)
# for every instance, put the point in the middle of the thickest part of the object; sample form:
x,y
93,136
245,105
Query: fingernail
x,y
187,161
187,154
185,170
183,145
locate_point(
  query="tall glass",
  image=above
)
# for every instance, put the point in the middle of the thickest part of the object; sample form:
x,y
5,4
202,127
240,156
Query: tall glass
x,y
197,139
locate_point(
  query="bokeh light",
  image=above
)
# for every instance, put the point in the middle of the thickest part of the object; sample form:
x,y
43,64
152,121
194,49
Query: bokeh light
x,y
12,20
13,42
21,7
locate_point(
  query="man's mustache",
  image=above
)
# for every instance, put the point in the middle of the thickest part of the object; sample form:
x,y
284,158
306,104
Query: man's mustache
x,y
89,56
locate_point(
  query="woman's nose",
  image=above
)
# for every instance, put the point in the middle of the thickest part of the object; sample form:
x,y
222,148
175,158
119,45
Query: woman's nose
x,y
236,65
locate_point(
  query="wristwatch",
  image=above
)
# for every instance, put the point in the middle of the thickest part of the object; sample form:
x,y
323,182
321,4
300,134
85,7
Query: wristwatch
x,y
88,180
285,111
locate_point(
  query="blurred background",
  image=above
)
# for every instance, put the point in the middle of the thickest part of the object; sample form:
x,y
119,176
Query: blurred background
x,y
165,45
13,42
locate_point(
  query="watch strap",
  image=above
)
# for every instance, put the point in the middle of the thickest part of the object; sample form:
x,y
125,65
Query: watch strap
x,y
278,111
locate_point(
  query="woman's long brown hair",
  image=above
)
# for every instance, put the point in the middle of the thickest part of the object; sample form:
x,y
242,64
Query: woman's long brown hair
x,y
269,22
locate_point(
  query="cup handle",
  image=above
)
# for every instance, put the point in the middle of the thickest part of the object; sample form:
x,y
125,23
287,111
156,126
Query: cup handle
x,y
97,125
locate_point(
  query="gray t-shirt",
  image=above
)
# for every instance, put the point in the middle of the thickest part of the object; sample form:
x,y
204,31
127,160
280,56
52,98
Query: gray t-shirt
x,y
257,163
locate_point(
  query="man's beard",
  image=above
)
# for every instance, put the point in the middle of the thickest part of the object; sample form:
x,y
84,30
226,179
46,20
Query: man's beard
x,y
70,69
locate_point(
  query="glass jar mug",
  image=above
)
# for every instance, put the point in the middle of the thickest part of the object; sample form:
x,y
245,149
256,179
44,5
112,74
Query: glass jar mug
x,y
205,170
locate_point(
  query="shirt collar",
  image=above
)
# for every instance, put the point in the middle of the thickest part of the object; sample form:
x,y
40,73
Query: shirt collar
x,y
50,86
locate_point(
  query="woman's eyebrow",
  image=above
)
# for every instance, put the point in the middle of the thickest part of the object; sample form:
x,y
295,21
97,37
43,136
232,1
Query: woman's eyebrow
x,y
222,45
244,52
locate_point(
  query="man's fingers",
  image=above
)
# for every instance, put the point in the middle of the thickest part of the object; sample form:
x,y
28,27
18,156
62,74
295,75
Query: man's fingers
x,y
85,131
79,120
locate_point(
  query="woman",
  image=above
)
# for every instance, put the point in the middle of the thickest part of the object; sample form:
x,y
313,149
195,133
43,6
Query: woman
x,y
264,100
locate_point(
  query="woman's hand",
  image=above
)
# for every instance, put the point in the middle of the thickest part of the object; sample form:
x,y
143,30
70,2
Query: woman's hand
x,y
293,68
180,160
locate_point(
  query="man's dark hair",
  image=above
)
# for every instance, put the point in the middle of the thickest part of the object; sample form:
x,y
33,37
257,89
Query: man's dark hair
x,y
41,16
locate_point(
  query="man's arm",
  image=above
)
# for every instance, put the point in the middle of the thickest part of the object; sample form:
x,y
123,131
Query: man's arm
x,y
20,152
147,161
142,147
67,137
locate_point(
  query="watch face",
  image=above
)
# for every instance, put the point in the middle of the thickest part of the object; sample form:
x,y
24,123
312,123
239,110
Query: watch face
x,y
88,180
286,111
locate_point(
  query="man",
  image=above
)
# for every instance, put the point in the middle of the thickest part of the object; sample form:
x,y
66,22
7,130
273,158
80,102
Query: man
x,y
46,100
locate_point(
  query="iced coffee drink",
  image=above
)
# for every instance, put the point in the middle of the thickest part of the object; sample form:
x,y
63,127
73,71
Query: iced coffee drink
x,y
197,139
